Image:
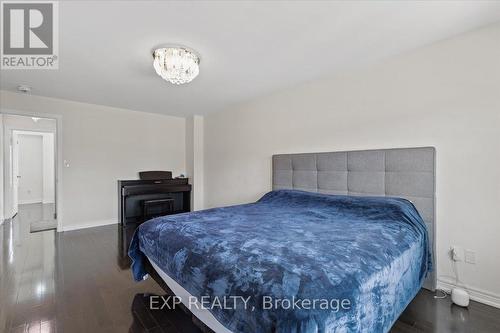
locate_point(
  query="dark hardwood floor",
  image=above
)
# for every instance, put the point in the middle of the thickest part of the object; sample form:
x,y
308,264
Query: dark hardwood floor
x,y
80,281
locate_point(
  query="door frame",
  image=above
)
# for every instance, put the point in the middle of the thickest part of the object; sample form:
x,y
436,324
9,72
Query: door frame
x,y
58,156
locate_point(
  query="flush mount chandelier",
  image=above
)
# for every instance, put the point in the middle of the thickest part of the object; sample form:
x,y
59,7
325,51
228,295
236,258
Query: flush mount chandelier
x,y
176,64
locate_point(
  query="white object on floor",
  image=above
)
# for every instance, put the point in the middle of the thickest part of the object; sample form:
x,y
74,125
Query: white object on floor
x,y
201,313
460,297
43,225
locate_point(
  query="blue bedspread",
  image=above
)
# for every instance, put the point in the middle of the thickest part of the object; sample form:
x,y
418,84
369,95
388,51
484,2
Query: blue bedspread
x,y
372,251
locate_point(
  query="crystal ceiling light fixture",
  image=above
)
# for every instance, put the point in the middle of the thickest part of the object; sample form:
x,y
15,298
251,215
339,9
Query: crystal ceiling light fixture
x,y
176,64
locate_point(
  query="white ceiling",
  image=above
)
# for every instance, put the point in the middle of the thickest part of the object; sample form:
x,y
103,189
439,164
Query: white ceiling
x,y
248,48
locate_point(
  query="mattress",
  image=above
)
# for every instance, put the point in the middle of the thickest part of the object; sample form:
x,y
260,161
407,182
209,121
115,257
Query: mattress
x,y
370,251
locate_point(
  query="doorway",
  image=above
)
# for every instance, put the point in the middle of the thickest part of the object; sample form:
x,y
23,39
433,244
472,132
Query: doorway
x,y
29,146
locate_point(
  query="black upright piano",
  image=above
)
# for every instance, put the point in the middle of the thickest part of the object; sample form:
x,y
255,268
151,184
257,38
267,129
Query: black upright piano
x,y
155,194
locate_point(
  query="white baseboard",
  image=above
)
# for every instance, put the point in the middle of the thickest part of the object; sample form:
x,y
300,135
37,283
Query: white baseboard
x,y
89,224
48,202
476,294
30,201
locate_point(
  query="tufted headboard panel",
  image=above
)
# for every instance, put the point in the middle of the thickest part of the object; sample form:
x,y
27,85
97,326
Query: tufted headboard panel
x,y
406,173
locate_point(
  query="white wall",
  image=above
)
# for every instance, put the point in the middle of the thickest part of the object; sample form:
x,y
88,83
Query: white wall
x,y
199,153
101,145
48,168
195,159
30,168
445,95
1,171
190,155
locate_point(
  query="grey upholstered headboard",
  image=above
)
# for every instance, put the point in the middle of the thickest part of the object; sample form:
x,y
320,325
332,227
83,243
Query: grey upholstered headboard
x,y
406,173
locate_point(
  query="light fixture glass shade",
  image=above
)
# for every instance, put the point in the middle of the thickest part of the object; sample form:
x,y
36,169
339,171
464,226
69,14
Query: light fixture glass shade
x,y
177,65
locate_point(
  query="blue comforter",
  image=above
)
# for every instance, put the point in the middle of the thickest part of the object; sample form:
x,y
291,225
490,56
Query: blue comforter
x,y
294,245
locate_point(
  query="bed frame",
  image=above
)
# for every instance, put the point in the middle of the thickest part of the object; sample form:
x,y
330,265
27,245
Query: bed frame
x,y
404,172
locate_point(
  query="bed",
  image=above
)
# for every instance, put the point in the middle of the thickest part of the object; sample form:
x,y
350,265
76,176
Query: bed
x,y
325,232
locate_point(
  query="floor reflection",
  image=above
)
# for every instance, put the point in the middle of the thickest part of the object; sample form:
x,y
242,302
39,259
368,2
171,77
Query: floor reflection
x,y
124,238
145,317
65,282
152,319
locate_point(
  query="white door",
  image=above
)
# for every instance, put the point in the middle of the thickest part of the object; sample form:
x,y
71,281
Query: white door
x,y
15,173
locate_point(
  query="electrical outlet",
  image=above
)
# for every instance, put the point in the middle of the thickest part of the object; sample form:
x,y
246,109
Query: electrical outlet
x,y
470,257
